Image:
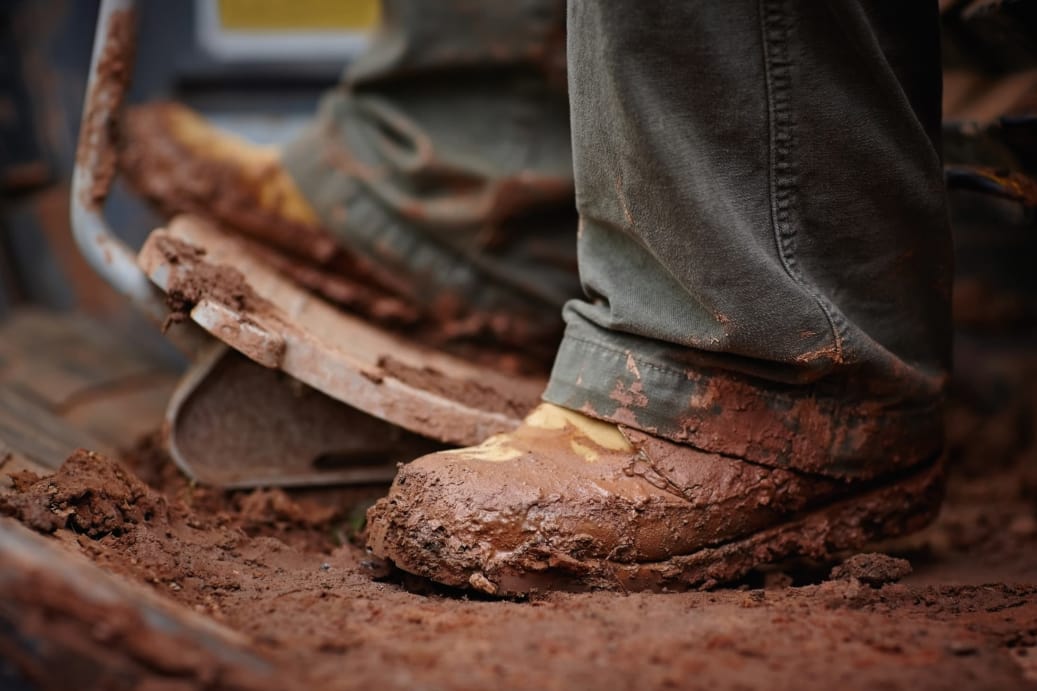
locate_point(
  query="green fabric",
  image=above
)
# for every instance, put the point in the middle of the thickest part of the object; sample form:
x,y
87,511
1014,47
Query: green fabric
x,y
764,240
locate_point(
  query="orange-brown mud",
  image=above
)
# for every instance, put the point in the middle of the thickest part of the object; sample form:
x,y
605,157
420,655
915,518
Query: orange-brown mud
x,y
223,284
487,395
646,514
284,570
178,180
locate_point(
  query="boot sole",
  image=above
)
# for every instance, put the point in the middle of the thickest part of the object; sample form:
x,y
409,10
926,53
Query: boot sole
x,y
900,507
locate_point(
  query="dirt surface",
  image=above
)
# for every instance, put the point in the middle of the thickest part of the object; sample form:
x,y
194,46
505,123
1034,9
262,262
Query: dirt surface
x,y
284,570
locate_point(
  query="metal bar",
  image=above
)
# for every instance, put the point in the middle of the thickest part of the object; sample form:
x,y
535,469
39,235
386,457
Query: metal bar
x,y
110,68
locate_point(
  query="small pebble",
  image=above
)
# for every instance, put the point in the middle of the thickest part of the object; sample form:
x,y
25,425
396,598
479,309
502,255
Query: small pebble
x,y
962,648
872,569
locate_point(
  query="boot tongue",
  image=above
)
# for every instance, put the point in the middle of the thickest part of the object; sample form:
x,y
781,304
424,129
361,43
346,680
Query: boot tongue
x,y
603,434
549,432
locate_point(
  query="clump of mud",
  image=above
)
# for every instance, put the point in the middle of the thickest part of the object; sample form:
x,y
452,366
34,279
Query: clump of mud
x,y
220,283
872,569
89,495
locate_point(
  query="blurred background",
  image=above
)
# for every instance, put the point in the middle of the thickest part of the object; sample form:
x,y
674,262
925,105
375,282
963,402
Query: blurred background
x,y
254,67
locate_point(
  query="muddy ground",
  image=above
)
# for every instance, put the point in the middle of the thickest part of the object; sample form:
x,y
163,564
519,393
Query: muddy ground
x,y
286,570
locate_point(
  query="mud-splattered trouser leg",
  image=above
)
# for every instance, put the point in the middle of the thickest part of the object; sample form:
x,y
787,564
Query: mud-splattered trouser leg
x,y
763,238
444,157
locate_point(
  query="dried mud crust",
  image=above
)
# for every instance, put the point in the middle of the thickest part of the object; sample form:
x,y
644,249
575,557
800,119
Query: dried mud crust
x,y
226,285
219,283
481,395
96,150
427,547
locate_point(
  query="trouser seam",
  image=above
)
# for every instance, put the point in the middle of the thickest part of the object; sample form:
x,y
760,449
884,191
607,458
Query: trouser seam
x,y
783,171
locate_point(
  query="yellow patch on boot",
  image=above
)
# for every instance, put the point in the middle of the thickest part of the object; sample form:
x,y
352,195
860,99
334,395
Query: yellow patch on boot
x,y
588,437
605,435
496,449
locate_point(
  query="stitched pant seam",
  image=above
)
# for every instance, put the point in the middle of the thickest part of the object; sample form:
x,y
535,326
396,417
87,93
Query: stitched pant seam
x,y
782,169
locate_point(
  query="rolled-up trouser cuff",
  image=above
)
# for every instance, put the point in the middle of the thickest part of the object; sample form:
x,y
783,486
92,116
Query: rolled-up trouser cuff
x,y
607,375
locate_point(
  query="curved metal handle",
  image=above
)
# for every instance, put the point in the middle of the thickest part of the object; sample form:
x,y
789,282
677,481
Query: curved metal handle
x,y
110,68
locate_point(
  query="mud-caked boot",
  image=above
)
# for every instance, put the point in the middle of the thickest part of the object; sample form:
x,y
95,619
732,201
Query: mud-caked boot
x,y
569,502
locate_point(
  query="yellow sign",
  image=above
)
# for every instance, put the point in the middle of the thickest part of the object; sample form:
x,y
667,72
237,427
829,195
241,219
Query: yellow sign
x,y
299,15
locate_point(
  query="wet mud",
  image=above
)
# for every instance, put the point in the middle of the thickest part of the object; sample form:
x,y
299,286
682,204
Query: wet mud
x,y
567,503
488,396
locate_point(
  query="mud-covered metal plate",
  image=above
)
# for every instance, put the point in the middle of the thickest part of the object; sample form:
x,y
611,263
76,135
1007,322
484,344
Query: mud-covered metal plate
x,y
235,424
238,298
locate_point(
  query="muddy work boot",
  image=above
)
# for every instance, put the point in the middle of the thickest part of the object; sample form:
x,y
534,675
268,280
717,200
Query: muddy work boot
x,y
567,502
439,172
765,343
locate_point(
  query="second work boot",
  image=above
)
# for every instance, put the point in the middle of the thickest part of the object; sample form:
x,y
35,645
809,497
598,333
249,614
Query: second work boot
x,y
374,260
441,166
